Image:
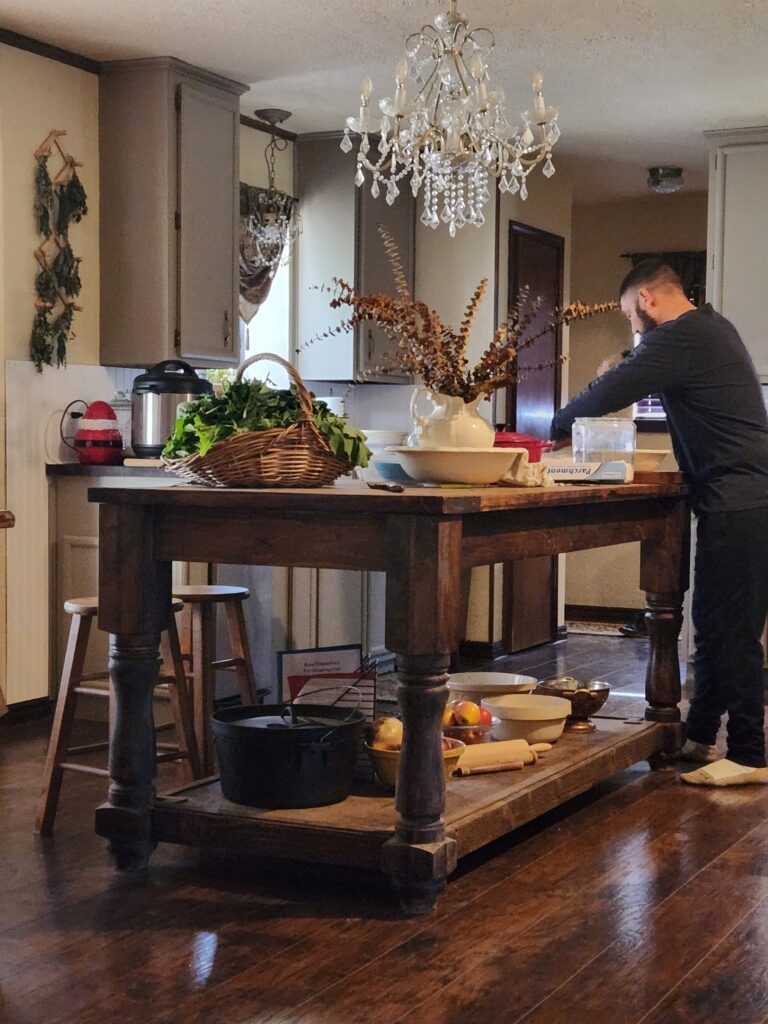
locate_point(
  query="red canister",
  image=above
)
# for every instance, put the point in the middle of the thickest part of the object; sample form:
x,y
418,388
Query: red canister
x,y
98,441
534,447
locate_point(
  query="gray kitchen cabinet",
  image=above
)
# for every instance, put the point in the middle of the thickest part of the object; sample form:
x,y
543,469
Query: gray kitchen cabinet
x,y
340,238
738,235
169,209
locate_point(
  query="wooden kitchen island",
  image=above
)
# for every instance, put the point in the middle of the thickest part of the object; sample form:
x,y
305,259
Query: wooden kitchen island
x,y
422,539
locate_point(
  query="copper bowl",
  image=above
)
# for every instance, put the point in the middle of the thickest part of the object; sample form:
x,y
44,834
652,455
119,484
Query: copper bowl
x,y
586,699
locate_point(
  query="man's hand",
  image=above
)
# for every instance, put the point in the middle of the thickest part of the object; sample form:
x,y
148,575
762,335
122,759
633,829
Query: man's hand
x,y
558,445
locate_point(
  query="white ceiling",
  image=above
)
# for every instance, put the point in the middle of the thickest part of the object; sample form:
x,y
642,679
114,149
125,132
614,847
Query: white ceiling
x,y
636,81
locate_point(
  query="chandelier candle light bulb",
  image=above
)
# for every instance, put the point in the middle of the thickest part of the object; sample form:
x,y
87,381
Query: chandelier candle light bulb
x,y
452,133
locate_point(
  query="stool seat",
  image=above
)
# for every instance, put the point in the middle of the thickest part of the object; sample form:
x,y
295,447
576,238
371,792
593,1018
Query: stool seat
x,y
89,606
171,682
210,594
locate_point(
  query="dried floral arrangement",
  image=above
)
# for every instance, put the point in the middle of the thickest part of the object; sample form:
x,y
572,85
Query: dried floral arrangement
x,y
426,348
59,201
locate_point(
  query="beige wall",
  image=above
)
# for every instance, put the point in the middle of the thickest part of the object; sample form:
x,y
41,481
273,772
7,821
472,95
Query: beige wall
x,y
608,577
37,94
253,166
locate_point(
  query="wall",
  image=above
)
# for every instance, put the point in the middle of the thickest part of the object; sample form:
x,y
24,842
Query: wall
x,y
608,577
37,94
253,166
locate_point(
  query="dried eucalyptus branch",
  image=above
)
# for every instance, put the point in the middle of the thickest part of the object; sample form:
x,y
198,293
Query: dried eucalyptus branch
x,y
424,347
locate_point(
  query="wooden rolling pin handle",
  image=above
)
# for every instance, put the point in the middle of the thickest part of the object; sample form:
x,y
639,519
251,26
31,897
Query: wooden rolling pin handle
x,y
504,766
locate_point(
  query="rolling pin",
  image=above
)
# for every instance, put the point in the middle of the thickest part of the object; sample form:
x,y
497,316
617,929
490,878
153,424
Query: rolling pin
x,y
479,755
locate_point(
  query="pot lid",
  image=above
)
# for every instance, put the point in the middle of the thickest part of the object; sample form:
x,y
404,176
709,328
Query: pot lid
x,y
171,377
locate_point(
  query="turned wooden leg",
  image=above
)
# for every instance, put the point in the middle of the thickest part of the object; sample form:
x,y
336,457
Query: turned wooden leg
x,y
134,665
423,611
664,578
662,680
420,858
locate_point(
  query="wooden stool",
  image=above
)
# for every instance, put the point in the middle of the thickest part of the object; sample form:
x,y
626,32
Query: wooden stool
x,y
172,677
199,648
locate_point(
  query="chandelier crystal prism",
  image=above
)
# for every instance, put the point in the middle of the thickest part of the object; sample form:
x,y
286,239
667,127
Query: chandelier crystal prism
x,y
447,129
276,228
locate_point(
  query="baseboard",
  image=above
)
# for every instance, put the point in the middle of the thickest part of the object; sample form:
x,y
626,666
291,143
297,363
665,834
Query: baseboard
x,y
482,650
600,613
27,711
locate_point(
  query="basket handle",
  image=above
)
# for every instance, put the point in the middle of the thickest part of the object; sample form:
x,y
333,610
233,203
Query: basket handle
x,y
305,398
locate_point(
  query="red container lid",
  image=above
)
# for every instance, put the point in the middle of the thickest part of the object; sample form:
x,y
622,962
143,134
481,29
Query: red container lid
x,y
533,445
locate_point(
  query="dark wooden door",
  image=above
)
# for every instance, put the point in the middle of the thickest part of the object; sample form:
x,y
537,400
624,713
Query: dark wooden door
x,y
530,587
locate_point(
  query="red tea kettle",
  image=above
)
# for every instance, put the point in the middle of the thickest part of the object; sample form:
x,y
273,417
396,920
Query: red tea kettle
x,y
98,441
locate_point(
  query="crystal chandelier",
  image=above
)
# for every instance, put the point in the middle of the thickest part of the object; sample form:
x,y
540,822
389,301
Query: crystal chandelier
x,y
446,127
276,223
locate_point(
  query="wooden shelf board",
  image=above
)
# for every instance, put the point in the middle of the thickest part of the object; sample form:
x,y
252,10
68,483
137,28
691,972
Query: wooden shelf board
x,y
478,809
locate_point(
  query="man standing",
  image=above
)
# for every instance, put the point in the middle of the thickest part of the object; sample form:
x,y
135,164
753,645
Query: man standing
x,y
694,359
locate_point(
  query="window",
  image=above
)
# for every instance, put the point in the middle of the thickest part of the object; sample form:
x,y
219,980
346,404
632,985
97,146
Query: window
x,y
270,331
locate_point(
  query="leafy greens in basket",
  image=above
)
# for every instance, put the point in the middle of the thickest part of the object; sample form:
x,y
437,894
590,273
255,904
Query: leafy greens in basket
x,y
251,405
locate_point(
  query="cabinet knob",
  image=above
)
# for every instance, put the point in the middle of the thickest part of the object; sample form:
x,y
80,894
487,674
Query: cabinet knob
x,y
227,330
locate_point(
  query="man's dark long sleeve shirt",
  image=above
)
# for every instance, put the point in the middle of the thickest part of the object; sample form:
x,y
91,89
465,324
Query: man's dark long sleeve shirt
x,y
706,381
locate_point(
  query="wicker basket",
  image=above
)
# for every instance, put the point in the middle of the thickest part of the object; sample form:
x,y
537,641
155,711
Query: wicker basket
x,y
294,456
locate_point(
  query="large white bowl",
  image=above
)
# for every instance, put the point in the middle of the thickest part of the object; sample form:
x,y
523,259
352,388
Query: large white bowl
x,y
457,465
649,460
476,685
526,716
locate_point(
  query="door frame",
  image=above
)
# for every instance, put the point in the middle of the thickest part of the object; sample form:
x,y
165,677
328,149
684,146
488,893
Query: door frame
x,y
516,231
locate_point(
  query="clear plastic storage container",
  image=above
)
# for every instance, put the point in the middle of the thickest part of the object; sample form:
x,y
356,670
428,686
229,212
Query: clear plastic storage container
x,y
604,439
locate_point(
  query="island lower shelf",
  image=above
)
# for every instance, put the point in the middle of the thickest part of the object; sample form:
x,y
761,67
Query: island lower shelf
x,y
478,809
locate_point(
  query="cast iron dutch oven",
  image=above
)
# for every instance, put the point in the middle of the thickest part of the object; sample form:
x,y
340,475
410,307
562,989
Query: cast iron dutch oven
x,y
280,756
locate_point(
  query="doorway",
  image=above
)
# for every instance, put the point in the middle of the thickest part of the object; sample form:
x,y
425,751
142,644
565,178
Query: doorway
x,y
530,587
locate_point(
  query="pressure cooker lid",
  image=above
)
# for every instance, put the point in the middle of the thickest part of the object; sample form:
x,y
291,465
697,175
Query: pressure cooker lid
x,y
171,377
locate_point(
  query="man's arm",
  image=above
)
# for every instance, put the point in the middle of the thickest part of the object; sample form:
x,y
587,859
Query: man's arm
x,y
653,366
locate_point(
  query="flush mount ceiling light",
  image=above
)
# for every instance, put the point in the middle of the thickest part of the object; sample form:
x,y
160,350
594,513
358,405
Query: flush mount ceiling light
x,y
665,179
446,127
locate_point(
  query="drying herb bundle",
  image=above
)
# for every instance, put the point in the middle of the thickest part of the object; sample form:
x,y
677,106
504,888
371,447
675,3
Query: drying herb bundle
x,y
251,405
427,348
58,203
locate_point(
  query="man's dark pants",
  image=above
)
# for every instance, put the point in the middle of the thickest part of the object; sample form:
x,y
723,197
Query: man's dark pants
x,y
730,603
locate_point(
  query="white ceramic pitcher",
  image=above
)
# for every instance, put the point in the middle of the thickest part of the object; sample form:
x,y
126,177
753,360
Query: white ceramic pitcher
x,y
451,422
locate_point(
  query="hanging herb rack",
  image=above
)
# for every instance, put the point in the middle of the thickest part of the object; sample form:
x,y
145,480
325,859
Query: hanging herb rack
x,y
59,201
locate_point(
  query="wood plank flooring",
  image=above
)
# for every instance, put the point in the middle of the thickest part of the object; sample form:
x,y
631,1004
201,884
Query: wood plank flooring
x,y
640,901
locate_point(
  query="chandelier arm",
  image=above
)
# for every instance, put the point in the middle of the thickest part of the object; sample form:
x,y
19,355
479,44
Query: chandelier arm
x,y
458,62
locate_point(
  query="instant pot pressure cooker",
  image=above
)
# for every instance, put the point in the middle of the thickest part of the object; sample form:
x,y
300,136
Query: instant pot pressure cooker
x,y
155,397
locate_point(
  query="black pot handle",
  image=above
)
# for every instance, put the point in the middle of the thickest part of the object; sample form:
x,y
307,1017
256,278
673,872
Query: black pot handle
x,y
178,364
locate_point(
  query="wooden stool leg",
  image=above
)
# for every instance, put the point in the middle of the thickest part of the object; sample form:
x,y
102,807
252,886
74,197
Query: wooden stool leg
x,y
241,651
204,678
74,660
180,702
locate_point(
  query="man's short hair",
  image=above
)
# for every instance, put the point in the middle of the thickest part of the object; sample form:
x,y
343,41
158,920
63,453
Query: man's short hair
x,y
653,273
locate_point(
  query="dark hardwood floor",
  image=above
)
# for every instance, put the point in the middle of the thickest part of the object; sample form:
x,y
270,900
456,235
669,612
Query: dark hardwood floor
x,y
641,901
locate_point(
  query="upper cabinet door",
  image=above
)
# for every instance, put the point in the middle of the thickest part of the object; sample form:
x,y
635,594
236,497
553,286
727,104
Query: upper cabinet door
x,y
374,273
738,237
208,214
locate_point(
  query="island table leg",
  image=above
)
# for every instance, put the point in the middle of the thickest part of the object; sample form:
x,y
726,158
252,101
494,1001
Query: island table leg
x,y
664,577
134,608
423,607
134,665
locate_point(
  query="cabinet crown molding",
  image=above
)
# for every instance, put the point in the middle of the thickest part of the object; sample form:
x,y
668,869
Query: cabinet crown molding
x,y
180,66
737,136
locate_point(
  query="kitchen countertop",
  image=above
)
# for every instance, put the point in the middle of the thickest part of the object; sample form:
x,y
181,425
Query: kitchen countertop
x,y
75,469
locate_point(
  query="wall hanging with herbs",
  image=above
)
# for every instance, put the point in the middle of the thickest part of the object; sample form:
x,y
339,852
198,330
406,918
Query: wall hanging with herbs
x,y
60,201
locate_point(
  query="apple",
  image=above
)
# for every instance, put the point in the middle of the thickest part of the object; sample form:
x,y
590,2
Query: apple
x,y
466,712
386,734
486,718
448,718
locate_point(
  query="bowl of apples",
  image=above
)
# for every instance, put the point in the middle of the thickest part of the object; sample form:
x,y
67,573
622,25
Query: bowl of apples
x,y
383,741
467,721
